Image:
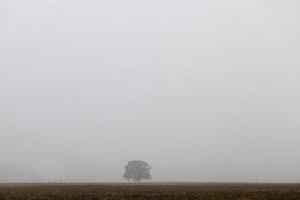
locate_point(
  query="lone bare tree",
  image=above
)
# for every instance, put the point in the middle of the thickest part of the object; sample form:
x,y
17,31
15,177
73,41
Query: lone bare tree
x,y
137,170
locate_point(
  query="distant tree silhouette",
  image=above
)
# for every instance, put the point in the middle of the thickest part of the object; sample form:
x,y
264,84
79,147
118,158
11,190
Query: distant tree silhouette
x,y
137,170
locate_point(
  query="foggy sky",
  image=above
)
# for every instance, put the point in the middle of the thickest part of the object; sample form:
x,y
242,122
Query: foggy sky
x,y
201,90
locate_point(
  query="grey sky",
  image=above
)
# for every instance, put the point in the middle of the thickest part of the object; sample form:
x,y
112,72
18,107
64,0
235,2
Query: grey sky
x,y
202,90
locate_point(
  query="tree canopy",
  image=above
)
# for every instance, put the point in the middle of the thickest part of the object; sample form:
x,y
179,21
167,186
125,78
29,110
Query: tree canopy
x,y
137,170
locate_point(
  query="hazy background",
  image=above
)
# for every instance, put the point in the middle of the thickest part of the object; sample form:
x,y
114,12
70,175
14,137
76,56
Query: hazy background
x,y
202,90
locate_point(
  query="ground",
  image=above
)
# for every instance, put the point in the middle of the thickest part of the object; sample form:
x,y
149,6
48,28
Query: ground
x,y
153,191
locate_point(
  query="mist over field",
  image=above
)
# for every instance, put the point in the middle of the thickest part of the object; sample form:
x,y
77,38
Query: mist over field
x,y
203,90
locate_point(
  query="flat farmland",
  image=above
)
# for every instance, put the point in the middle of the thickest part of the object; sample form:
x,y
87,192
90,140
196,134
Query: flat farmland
x,y
153,191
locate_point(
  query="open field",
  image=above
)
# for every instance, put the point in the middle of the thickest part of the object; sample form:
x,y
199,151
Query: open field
x,y
153,191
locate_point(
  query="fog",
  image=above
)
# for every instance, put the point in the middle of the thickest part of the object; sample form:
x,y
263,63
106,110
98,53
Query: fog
x,y
201,90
